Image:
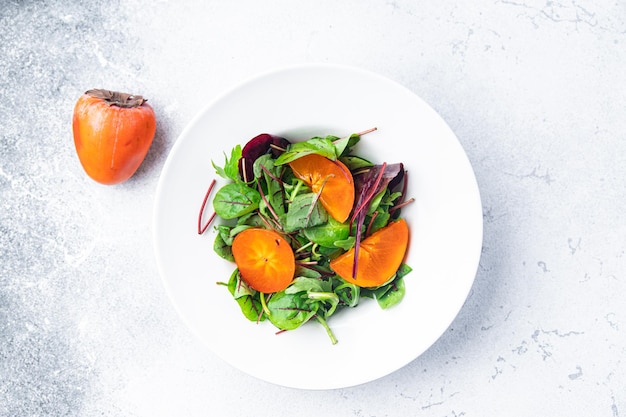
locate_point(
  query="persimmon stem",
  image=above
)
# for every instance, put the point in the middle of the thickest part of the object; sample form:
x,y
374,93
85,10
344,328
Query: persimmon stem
x,y
115,98
202,228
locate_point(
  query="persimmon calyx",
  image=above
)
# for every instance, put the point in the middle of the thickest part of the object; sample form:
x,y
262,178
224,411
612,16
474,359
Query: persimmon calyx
x,y
116,98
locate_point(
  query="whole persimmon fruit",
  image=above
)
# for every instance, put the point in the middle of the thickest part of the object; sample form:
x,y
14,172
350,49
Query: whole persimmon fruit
x,y
113,132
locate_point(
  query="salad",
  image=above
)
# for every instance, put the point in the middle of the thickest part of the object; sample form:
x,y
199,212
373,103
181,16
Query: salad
x,y
311,227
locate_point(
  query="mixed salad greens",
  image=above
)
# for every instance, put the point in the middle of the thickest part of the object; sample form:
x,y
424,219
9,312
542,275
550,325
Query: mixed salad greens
x,y
320,206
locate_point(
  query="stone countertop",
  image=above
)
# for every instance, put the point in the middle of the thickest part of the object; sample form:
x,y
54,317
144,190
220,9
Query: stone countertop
x,y
536,93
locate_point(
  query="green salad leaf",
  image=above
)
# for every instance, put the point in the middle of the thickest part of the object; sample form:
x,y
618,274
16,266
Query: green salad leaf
x,y
235,200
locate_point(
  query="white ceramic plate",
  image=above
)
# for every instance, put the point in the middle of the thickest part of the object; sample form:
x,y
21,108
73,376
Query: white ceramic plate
x,y
445,223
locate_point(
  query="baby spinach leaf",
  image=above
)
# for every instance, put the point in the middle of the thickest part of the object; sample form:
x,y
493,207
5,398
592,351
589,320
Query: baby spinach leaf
x,y
331,253
355,162
290,311
375,202
301,271
264,161
403,270
343,145
328,233
247,299
304,211
316,145
251,308
228,233
346,243
242,289
272,184
234,200
222,248
250,219
305,284
235,230
391,294
224,232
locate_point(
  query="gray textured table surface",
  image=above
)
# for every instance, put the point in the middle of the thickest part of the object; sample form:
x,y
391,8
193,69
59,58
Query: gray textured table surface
x,y
536,92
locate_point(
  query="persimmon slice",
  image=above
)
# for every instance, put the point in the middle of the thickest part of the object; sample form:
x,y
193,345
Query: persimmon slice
x,y
380,256
333,178
265,260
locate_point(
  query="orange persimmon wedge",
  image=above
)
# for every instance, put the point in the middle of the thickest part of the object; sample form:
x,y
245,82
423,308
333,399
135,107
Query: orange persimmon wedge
x,y
380,256
265,260
333,178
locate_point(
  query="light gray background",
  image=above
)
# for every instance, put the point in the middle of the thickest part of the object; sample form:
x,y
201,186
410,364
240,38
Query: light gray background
x,y
535,91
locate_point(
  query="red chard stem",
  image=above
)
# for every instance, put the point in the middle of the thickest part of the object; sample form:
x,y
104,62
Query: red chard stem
x,y
201,228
